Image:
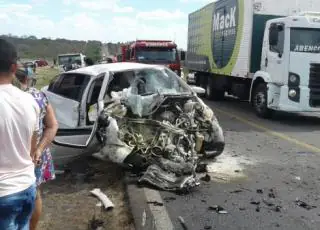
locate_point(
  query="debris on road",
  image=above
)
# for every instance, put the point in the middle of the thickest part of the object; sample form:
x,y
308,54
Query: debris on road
x,y
277,208
162,134
218,209
237,191
272,193
254,202
207,227
108,205
304,205
260,191
206,178
183,223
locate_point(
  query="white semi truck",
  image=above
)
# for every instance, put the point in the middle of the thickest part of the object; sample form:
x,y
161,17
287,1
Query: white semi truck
x,y
263,51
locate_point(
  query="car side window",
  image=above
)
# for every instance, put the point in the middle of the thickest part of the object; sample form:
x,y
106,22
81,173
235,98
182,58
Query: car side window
x,y
70,86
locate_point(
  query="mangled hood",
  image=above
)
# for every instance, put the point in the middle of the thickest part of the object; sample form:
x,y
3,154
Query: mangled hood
x,y
161,135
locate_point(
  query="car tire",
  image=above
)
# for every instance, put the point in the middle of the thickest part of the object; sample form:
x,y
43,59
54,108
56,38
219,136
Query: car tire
x,y
260,100
211,153
212,93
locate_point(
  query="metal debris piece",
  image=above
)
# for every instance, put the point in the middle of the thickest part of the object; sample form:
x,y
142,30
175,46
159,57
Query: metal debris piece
x,y
183,223
237,191
218,209
258,209
206,178
242,208
108,205
207,227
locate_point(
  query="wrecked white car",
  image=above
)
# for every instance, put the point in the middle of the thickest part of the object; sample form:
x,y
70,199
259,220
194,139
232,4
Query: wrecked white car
x,y
143,117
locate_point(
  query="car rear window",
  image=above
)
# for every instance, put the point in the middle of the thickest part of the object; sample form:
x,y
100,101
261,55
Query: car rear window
x,y
70,86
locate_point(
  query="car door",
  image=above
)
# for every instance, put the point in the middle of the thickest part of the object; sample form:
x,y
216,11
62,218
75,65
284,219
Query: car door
x,y
65,94
73,142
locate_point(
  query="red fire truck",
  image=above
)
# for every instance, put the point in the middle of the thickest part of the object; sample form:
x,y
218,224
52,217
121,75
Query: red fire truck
x,y
160,52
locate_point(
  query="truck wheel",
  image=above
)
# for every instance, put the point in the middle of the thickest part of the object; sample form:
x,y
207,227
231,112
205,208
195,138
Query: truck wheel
x,y
212,93
260,100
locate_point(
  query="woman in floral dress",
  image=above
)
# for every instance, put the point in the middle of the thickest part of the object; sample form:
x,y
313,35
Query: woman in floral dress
x,y
44,170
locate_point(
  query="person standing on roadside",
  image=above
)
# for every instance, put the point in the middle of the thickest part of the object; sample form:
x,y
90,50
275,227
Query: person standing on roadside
x,y
48,127
19,124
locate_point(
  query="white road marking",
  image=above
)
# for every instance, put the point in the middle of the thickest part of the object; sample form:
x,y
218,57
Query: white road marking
x,y
160,214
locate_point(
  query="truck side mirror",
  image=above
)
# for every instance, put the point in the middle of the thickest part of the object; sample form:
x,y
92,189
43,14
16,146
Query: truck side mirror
x,y
273,35
183,55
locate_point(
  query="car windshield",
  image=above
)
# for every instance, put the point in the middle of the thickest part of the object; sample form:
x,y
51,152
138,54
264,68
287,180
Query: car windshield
x,y
305,40
149,81
63,60
156,54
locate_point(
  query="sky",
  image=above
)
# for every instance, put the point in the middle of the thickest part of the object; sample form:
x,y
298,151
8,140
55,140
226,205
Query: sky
x,y
104,20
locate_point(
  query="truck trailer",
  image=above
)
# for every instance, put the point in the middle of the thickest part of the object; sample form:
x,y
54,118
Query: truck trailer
x,y
264,51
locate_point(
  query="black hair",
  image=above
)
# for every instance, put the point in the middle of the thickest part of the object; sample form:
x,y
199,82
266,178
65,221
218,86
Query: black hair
x,y
21,75
8,56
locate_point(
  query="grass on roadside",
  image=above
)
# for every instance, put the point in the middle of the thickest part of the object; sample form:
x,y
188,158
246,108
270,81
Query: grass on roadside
x,y
45,75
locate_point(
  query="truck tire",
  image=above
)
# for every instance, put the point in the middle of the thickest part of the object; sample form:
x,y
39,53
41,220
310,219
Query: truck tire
x,y
212,93
260,100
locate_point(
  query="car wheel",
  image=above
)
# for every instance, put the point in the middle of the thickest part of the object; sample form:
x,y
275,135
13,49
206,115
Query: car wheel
x,y
260,100
212,93
213,149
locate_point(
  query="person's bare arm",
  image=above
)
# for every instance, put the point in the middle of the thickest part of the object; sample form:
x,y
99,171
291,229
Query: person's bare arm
x,y
34,141
51,127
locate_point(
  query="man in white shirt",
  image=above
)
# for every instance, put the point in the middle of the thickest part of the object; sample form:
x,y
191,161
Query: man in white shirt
x,y
18,126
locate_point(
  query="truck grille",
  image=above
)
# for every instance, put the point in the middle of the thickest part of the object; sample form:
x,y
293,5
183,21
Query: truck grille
x,y
314,85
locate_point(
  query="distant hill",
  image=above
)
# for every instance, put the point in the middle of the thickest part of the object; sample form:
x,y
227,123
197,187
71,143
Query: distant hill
x,y
31,47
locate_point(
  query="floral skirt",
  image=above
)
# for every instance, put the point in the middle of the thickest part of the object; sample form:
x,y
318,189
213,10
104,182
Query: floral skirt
x,y
45,171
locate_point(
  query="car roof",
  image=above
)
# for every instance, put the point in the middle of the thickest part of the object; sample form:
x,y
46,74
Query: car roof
x,y
111,67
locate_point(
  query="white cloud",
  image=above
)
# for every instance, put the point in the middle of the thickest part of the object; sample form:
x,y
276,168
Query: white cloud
x,y
100,5
160,14
92,25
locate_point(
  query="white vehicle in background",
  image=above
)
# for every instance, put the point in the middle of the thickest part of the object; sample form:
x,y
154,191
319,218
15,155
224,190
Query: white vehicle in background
x,y
71,61
264,51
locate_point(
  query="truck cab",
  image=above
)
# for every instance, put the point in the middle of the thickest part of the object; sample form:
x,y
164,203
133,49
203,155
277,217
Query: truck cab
x,y
160,52
76,60
289,75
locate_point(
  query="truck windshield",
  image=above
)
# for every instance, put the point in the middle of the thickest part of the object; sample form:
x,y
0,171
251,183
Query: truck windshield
x,y
156,54
63,60
306,40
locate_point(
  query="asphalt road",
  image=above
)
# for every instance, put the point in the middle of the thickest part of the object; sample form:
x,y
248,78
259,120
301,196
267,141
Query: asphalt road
x,y
273,163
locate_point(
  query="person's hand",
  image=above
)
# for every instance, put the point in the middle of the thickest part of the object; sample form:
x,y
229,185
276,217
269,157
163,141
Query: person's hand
x,y
37,157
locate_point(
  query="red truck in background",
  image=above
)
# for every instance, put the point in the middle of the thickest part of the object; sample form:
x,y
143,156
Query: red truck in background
x,y
162,52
